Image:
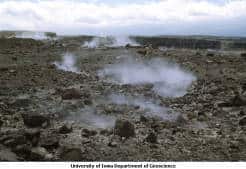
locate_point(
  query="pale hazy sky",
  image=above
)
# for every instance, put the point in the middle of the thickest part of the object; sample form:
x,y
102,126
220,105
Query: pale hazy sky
x,y
148,17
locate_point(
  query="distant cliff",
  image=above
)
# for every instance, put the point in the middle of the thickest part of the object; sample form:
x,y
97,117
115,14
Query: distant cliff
x,y
193,42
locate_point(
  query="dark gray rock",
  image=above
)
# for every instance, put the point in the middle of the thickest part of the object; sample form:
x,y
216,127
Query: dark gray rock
x,y
7,155
65,129
20,102
88,133
49,140
242,121
112,144
151,138
72,93
238,101
1,123
71,154
124,128
34,120
39,154
13,138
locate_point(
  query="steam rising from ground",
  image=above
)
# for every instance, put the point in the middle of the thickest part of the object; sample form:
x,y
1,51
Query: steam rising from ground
x,y
151,108
68,63
109,41
169,80
89,116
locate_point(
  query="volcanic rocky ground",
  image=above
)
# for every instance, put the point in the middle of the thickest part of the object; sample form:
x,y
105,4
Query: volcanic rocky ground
x,y
52,114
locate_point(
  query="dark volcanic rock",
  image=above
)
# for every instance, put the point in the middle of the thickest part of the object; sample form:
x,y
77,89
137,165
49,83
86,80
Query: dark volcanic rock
x,y
34,120
39,153
12,138
124,128
49,140
20,102
112,144
71,94
238,101
71,154
65,129
33,135
181,120
243,55
143,119
151,138
1,123
242,121
88,133
7,155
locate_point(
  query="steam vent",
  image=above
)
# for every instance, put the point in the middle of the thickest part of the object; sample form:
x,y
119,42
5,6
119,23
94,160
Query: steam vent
x,y
106,81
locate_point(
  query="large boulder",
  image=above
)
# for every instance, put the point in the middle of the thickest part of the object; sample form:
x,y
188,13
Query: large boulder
x,y
124,128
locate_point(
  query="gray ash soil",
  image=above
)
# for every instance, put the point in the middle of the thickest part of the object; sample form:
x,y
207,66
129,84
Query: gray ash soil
x,y
47,114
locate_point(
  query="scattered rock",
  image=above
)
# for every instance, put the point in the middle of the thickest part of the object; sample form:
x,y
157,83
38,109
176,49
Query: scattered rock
x,y
33,135
13,138
49,140
34,120
87,102
12,71
128,45
124,128
71,94
4,69
211,54
20,102
7,155
143,119
88,133
238,101
1,123
106,132
243,55
71,154
242,121
112,144
39,153
181,120
242,113
151,138
14,58
65,129
142,51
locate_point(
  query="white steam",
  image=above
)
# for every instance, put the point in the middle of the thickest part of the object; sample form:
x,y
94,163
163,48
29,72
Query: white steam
x,y
109,41
68,63
169,80
150,107
89,116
